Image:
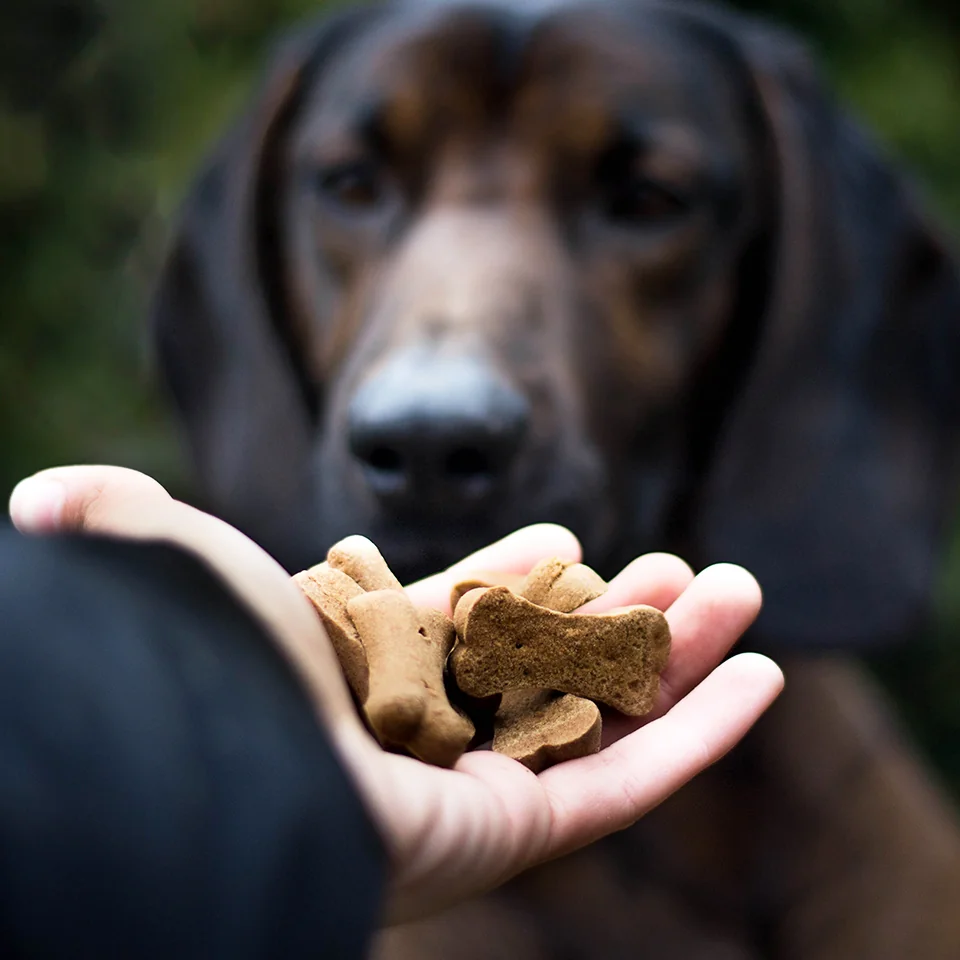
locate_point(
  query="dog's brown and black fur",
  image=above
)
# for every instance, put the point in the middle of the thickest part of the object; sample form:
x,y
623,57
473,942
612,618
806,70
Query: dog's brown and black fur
x,y
625,266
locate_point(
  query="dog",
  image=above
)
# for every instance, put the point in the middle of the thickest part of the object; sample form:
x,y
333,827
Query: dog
x,y
624,266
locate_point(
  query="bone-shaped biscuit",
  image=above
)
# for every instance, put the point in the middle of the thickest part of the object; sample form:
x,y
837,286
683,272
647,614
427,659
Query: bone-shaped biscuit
x,y
515,581
561,585
447,731
412,651
406,651
508,643
360,560
539,728
329,591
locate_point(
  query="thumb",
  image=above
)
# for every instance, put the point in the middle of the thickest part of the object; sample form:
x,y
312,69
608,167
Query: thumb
x,y
114,501
91,499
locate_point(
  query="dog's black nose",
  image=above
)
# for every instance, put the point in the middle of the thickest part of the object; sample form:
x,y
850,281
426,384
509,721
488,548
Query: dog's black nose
x,y
434,432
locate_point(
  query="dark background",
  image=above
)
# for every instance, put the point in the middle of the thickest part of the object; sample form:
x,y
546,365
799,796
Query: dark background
x,y
106,106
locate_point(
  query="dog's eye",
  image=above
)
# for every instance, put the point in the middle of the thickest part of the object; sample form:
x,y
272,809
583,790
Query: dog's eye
x,y
357,185
639,201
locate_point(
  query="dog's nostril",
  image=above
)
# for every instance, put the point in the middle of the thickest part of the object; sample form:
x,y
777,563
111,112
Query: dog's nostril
x,y
467,463
385,459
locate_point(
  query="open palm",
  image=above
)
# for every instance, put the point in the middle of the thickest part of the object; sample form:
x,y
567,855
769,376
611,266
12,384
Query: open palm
x,y
454,833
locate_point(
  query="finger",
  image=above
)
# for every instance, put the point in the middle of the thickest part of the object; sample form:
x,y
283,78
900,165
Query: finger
x,y
518,552
706,620
114,501
656,579
70,498
611,790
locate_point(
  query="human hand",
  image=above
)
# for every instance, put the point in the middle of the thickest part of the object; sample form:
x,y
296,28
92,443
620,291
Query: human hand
x,y
454,833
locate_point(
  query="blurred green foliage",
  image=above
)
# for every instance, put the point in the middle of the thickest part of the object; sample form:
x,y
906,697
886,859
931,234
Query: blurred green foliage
x,y
106,107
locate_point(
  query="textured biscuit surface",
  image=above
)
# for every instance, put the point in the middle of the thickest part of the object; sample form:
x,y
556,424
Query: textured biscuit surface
x,y
330,591
539,728
445,732
514,581
360,560
509,643
561,585
406,651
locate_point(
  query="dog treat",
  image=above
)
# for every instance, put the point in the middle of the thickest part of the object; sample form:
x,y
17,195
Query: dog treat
x,y
508,643
330,591
360,560
446,732
514,581
561,585
544,662
406,651
540,728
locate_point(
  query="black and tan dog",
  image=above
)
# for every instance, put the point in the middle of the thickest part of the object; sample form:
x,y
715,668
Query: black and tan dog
x,y
620,265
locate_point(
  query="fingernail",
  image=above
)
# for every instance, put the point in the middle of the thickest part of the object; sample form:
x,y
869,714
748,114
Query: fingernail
x,y
36,504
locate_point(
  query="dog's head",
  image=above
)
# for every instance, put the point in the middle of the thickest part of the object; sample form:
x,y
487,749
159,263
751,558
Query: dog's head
x,y
618,265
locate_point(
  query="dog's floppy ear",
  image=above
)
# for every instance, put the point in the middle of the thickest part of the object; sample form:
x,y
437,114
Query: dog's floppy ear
x,y
835,471
222,350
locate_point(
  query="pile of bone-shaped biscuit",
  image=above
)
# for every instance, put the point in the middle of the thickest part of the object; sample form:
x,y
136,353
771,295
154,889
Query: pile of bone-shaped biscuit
x,y
515,645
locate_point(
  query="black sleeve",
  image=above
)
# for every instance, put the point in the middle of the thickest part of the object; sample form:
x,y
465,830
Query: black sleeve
x,y
165,788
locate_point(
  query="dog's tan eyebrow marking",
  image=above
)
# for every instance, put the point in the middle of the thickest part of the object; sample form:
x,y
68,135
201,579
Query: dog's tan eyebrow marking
x,y
677,153
383,122
411,95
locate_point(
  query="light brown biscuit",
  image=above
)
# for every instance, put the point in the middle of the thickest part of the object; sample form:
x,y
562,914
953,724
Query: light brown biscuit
x,y
539,728
508,643
406,650
359,559
561,585
531,726
514,581
446,731
330,591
